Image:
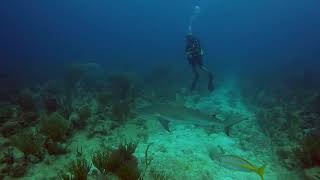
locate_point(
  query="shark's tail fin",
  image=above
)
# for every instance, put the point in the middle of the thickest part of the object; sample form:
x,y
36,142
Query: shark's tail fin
x,y
261,170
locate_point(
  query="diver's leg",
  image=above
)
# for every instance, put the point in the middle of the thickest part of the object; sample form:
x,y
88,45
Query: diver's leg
x,y
210,76
195,77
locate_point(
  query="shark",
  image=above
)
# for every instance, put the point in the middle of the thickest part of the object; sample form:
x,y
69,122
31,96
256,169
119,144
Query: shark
x,y
173,113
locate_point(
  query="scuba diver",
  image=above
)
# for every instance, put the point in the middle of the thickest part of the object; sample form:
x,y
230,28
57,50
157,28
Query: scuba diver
x,y
194,54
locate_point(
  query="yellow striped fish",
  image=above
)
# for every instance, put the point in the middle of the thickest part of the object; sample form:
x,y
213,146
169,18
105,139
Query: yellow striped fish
x,y
239,164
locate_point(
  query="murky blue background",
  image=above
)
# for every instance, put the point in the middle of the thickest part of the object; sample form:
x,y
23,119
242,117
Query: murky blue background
x,y
40,37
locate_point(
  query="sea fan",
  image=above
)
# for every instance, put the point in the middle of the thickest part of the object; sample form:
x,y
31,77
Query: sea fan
x,y
28,142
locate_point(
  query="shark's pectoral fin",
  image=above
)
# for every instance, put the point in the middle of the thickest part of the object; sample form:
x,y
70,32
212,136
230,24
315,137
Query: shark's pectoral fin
x,y
227,130
164,123
229,125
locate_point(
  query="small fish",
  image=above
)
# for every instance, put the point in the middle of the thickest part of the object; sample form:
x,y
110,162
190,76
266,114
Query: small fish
x,y
239,164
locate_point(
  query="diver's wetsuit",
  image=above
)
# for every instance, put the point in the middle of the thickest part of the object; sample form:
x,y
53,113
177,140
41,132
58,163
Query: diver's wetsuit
x,y
194,54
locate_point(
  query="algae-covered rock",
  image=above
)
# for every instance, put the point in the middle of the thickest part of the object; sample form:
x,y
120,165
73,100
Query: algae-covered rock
x,y
120,162
6,113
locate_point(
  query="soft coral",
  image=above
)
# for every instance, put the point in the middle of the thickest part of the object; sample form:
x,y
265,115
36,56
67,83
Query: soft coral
x,y
309,152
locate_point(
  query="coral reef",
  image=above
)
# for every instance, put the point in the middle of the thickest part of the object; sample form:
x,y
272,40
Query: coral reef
x,y
55,148
308,154
289,116
87,73
121,87
77,170
55,127
10,128
70,118
51,104
104,98
65,105
6,112
120,162
26,101
27,119
29,142
120,111
84,114
8,157
315,104
312,173
16,170
100,160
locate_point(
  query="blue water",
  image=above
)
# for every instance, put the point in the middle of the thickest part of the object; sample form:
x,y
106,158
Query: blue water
x,y
48,34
